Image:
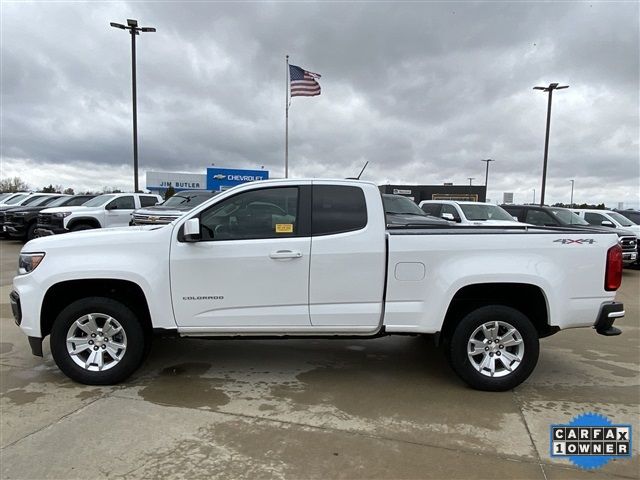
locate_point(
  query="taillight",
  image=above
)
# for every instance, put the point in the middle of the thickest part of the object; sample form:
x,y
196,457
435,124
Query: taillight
x,y
613,273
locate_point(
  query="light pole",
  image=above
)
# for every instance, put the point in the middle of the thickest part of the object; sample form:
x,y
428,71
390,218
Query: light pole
x,y
549,89
572,182
134,29
486,176
470,183
534,195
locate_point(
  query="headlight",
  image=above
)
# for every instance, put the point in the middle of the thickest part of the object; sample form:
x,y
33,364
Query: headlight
x,y
61,214
19,214
28,262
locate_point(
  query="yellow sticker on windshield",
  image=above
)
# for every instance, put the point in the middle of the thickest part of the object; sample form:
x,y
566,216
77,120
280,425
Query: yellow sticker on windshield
x,y
284,227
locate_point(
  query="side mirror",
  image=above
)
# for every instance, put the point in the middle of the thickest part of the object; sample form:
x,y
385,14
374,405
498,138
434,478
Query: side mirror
x,y
192,230
607,223
515,218
111,207
448,216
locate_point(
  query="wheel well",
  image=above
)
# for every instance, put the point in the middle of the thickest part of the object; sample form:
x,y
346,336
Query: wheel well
x,y
62,294
526,298
83,220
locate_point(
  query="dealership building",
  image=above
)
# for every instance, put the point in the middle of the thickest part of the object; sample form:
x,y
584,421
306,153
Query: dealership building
x,y
448,191
215,179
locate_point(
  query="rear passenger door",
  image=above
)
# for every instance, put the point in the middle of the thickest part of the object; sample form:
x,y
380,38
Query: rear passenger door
x,y
348,256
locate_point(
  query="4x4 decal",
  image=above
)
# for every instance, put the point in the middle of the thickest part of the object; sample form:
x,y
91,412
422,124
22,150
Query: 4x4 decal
x,y
579,241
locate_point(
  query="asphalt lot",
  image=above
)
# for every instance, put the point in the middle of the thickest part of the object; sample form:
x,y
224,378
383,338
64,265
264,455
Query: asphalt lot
x,y
384,408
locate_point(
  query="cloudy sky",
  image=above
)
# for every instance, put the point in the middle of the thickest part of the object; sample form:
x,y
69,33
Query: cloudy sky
x,y
423,91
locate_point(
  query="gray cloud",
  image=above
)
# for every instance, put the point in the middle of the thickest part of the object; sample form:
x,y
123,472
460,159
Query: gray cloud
x,y
421,90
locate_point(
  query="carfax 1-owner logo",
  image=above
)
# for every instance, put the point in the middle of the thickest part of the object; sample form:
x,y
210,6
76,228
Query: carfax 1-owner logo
x,y
591,440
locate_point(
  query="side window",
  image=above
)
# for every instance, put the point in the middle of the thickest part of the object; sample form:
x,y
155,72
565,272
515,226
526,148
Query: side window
x,y
513,211
146,201
266,213
450,209
538,217
121,203
432,209
77,201
594,218
337,209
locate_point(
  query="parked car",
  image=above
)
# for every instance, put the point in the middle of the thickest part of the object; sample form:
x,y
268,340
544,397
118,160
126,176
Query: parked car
x,y
631,214
12,198
313,258
103,211
469,213
563,217
401,210
170,209
22,201
21,222
611,219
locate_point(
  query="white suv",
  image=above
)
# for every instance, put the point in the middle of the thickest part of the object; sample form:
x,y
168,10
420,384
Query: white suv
x,y
469,213
607,218
103,211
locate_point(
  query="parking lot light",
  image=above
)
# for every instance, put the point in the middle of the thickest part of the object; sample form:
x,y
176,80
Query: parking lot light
x,y
134,29
549,90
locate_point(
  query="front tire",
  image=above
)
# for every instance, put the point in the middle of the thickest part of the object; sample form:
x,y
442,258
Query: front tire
x,y
81,226
97,341
494,348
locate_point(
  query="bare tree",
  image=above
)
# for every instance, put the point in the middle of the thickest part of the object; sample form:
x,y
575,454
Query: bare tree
x,y
15,184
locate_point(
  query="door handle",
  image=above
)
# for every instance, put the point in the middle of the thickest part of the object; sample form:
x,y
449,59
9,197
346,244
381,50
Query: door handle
x,y
285,254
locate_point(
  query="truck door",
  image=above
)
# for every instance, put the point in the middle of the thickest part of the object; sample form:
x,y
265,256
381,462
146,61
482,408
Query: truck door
x,y
251,267
118,211
348,255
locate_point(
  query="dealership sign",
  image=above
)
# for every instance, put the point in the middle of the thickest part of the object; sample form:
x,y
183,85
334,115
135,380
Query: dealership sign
x,y
160,181
222,178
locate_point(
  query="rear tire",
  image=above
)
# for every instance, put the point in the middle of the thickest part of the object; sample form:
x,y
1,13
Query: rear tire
x,y
97,341
494,348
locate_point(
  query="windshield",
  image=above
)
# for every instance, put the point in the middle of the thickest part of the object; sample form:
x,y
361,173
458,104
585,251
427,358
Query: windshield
x,y
58,201
43,201
482,211
16,199
98,201
185,199
34,200
401,205
568,217
621,219
4,195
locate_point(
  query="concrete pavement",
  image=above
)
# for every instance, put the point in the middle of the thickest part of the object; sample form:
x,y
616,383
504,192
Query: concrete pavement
x,y
383,408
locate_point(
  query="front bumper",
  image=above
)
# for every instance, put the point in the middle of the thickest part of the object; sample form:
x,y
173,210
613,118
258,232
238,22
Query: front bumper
x,y
609,312
50,230
629,257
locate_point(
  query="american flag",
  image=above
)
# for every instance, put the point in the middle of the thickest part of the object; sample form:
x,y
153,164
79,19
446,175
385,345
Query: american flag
x,y
303,83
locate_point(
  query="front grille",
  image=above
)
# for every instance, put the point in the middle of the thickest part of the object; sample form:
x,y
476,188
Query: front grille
x,y
140,219
44,219
8,217
2,217
628,244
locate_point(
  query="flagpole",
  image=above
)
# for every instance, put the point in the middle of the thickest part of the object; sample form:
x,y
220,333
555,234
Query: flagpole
x,y
286,128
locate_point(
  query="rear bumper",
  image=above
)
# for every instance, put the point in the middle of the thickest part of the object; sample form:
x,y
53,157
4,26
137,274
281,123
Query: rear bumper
x,y
609,312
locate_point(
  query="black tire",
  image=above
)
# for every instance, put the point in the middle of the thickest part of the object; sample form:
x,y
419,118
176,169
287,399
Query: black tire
x,y
136,341
81,226
462,364
31,232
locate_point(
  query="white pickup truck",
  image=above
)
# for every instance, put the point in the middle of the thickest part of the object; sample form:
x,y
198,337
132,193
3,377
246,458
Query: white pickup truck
x,y
313,258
